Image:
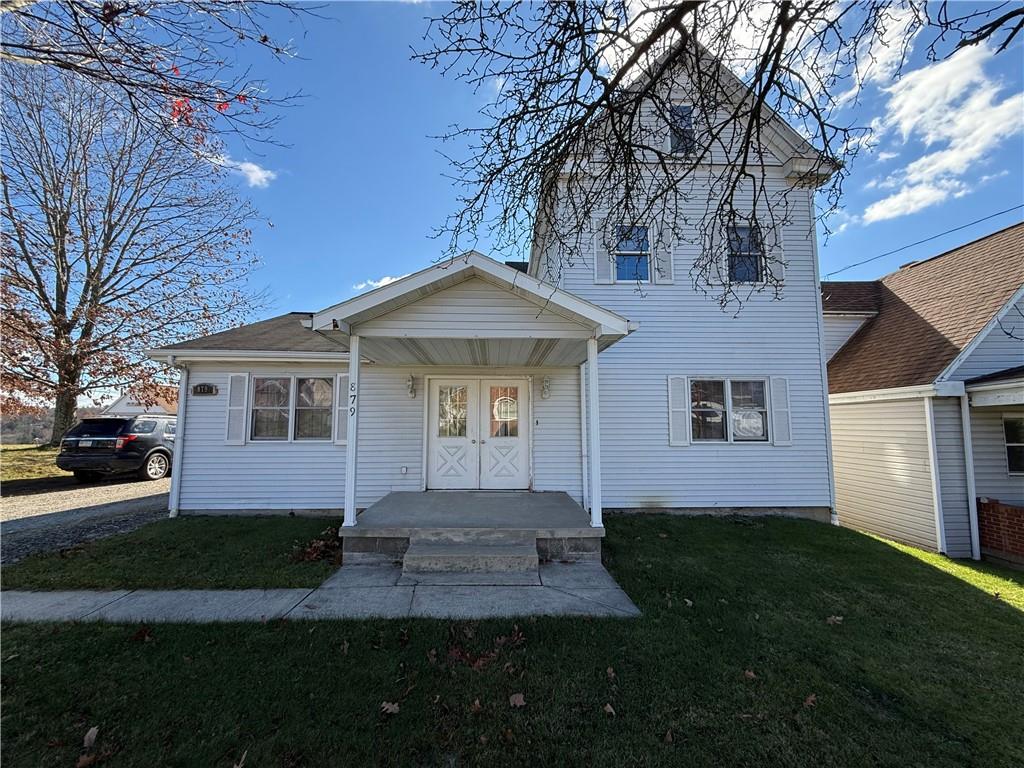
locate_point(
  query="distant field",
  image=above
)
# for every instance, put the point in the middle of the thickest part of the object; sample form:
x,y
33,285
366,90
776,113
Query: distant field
x,y
28,462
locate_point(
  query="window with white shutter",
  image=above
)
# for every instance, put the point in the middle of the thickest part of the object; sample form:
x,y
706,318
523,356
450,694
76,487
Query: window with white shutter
x,y
602,256
678,411
782,433
234,429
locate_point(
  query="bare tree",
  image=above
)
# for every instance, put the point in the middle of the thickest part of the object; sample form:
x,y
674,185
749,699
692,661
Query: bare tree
x,y
115,240
585,122
171,63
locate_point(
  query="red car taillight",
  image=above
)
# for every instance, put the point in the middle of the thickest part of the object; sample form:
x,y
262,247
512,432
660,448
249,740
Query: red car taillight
x,y
121,441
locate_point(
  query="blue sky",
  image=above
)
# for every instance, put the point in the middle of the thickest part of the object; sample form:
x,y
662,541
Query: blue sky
x,y
360,187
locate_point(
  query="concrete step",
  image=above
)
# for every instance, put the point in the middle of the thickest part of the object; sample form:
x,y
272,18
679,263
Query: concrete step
x,y
468,579
487,536
448,557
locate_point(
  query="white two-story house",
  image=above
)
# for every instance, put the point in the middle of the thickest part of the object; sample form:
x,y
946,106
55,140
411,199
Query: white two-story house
x,y
607,377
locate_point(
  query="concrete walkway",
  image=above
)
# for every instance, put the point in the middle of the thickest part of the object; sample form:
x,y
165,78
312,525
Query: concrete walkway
x,y
354,592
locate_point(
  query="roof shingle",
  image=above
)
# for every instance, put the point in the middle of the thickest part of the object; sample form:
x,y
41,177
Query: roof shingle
x,y
928,312
284,333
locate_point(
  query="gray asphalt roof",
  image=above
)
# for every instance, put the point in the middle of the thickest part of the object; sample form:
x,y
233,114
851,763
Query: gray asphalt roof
x,y
284,333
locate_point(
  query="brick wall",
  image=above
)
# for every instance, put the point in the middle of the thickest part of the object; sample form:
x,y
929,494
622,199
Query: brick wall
x,y
1001,530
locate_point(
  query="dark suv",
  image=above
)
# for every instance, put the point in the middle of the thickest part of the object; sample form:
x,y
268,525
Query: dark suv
x,y
112,445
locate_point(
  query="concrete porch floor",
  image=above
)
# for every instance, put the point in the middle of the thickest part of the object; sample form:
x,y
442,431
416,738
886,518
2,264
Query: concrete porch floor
x,y
547,514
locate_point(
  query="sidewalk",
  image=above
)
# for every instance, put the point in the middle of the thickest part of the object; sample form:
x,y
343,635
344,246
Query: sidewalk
x,y
354,592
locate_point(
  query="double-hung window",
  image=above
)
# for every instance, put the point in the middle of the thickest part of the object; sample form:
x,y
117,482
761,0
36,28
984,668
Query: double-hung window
x,y
729,410
683,139
1013,438
292,408
746,254
632,254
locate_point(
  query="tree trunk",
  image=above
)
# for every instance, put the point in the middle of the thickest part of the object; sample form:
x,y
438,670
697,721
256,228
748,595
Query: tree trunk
x,y
63,414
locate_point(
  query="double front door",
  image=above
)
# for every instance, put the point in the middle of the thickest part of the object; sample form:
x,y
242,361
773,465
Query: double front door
x,y
478,434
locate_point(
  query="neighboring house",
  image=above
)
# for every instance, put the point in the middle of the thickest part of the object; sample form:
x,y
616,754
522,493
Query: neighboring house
x,y
472,374
165,402
926,393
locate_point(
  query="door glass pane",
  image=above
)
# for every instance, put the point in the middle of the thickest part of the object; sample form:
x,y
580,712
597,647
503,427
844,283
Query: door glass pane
x,y
451,411
504,411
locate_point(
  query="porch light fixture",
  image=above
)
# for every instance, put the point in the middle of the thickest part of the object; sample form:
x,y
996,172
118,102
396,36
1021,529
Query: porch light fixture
x,y
545,388
410,385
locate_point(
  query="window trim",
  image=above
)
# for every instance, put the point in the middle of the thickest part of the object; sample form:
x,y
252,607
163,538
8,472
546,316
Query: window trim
x,y
292,406
729,437
1007,445
762,256
616,253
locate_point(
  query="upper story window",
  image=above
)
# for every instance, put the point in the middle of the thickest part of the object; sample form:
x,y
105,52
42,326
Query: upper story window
x,y
746,255
632,254
1013,436
729,410
683,140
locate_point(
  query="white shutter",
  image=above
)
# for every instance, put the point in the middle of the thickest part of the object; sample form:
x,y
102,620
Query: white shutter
x,y
341,405
662,257
602,259
775,255
234,430
782,431
678,411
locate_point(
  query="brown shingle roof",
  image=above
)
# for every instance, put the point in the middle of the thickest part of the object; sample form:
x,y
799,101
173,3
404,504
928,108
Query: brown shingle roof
x,y
850,296
284,333
928,312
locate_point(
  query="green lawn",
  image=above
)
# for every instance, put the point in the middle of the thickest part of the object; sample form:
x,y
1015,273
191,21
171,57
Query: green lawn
x,y
735,662
28,462
184,553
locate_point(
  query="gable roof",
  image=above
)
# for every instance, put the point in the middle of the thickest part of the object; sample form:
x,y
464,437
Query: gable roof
x,y
284,333
928,312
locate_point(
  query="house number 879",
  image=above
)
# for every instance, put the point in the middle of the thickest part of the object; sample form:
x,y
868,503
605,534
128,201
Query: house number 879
x,y
352,399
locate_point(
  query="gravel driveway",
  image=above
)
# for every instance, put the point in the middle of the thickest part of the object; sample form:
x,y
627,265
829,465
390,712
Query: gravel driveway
x,y
57,519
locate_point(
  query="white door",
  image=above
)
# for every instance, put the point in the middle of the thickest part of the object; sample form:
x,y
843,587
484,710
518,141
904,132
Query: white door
x,y
504,427
453,461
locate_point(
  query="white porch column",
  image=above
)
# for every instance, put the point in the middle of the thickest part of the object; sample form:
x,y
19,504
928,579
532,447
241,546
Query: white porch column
x,y
595,435
352,438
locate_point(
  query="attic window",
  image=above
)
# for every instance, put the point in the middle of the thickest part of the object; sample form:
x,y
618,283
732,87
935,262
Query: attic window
x,y
681,124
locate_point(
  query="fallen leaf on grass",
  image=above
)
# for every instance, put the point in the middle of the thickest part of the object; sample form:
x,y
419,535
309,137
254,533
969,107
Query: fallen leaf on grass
x,y
84,761
609,710
476,707
833,620
432,655
344,647
142,635
389,707
749,674
668,736
241,763
611,674
90,737
483,739
662,535
811,701
517,700
688,601
508,736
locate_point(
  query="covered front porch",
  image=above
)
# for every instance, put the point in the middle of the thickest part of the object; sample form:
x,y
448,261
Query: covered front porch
x,y
480,348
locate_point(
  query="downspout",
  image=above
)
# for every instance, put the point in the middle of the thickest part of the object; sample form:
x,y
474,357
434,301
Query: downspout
x,y
179,439
833,513
972,496
584,464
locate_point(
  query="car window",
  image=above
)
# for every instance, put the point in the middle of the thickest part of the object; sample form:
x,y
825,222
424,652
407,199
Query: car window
x,y
97,428
143,427
170,428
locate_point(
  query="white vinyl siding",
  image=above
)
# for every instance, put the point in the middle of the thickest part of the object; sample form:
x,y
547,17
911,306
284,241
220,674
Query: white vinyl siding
x,y
1001,348
991,476
839,329
475,309
949,444
883,478
684,332
310,475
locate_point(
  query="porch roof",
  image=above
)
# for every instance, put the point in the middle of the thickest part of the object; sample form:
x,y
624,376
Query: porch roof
x,y
472,311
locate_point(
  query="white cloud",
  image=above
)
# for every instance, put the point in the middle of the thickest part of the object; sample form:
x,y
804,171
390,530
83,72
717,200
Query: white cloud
x,y
886,156
380,283
255,175
957,111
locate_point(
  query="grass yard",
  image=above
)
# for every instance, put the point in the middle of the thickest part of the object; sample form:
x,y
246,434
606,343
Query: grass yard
x,y
184,553
28,462
740,658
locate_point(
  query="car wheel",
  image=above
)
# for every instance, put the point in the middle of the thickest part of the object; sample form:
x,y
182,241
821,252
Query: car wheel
x,y
83,476
156,467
